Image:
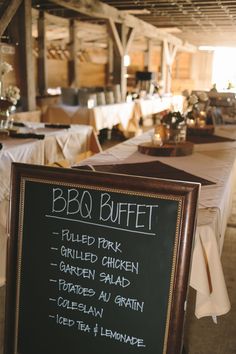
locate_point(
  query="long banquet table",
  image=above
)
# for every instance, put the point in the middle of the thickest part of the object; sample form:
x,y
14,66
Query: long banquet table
x,y
126,114
58,144
215,162
98,117
153,105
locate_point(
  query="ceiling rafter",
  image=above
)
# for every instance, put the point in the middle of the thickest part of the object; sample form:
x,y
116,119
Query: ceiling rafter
x,y
199,22
98,9
202,16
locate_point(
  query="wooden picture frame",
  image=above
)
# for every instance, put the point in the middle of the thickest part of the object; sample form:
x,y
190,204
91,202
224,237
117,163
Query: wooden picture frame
x,y
115,276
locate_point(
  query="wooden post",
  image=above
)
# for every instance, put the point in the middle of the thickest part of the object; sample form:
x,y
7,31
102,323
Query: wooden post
x,y
109,71
163,66
147,57
168,56
28,99
122,38
171,52
120,71
73,48
42,59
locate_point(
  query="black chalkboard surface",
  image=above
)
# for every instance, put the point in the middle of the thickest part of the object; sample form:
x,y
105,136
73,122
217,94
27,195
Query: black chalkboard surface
x,y
98,263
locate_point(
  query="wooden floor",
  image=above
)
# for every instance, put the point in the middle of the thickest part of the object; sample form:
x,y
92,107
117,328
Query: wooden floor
x,y
200,336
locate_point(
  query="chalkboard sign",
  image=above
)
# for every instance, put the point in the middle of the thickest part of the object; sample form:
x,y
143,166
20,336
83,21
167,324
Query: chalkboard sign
x,y
98,263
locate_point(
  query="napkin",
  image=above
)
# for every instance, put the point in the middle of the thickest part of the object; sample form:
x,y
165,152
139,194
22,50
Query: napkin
x,y
19,124
57,125
26,135
207,139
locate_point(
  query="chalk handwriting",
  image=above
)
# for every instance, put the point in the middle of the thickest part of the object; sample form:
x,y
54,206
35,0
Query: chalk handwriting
x,y
72,201
68,236
81,326
120,337
114,280
78,205
77,289
78,255
64,321
78,271
132,304
120,213
109,245
74,305
120,264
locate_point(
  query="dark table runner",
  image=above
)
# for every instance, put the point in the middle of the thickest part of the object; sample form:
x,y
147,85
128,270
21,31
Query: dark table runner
x,y
18,124
206,139
57,126
150,169
27,135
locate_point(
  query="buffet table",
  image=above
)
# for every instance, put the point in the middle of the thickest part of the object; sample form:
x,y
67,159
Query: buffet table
x,y
56,145
150,106
98,117
216,164
126,114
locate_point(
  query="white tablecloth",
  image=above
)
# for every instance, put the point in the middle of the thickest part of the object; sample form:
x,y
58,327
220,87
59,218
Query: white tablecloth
x,y
99,117
155,105
215,162
58,144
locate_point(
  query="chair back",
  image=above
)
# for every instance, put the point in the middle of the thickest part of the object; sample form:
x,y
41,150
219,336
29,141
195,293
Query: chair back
x,y
217,117
69,96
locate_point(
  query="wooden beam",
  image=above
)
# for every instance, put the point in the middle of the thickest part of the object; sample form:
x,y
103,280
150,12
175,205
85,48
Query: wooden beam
x,y
163,65
42,58
92,8
73,48
169,52
147,58
187,47
8,14
119,69
95,8
122,38
116,38
28,96
130,37
109,66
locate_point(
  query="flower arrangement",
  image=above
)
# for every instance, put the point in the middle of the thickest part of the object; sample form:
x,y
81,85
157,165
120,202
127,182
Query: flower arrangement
x,y
10,95
173,119
203,97
195,105
5,68
173,127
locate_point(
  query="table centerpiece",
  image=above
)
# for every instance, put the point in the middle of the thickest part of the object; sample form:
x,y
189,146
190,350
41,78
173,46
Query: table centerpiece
x,y
8,96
